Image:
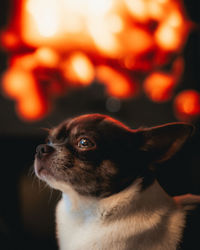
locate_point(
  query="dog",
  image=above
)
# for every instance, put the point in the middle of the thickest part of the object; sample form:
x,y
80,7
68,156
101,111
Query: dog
x,y
111,199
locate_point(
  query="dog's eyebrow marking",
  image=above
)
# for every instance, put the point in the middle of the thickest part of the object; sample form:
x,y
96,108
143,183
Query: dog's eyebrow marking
x,y
58,135
75,131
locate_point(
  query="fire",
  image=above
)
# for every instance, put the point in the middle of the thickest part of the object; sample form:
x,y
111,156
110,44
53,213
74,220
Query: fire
x,y
57,45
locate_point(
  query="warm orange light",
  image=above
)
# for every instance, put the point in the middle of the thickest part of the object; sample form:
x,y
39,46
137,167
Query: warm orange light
x,y
9,40
156,9
166,37
32,107
171,32
78,69
187,105
175,19
117,84
138,9
58,45
47,57
143,41
18,83
25,62
21,85
159,86
45,13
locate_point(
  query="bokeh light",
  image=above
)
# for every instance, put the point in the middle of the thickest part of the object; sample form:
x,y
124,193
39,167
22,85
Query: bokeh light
x,y
72,43
187,105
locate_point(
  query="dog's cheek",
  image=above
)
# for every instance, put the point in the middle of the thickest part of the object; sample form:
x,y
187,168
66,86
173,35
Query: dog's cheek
x,y
60,162
82,177
108,169
92,180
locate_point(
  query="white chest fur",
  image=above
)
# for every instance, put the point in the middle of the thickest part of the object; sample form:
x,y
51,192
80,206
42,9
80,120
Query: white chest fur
x,y
129,220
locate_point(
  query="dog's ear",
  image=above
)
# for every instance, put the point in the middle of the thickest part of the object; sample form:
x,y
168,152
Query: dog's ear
x,y
162,142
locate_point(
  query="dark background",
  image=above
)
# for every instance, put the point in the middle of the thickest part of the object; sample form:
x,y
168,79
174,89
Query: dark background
x,y
27,207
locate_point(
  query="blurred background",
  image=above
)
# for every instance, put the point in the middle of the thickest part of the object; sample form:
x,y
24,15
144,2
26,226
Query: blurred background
x,y
135,60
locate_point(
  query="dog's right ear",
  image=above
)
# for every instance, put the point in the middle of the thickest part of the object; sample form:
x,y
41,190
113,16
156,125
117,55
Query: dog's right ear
x,y
162,142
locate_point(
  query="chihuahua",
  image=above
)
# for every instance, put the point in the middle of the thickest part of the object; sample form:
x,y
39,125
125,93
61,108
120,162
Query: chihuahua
x,y
111,199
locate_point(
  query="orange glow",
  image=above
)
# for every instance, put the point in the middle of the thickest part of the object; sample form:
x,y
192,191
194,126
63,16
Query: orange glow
x,y
187,105
22,86
9,40
32,108
178,67
155,9
117,85
78,69
167,38
58,45
159,86
47,57
24,63
144,41
175,19
138,9
46,18
171,32
17,83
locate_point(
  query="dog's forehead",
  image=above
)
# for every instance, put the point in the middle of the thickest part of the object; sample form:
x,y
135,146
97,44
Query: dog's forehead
x,y
89,123
85,124
94,122
75,125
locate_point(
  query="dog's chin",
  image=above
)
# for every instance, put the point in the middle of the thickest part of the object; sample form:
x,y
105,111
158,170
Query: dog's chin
x,y
40,170
44,174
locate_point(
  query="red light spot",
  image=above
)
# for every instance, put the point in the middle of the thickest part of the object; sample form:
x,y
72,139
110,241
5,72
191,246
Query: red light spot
x,y
159,86
9,40
187,105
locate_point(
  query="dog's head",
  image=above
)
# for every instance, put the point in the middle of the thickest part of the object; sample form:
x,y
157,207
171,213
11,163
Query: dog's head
x,y
99,156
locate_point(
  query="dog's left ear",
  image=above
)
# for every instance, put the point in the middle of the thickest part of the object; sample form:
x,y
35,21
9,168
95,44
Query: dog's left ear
x,y
162,142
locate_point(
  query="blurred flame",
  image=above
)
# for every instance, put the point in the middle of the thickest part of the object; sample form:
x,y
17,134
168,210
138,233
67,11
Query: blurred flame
x,y
21,86
18,83
32,108
9,40
47,57
187,105
61,44
78,69
117,85
159,86
45,14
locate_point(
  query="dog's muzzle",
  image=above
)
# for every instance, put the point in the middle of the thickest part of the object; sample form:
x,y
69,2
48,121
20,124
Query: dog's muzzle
x,y
43,150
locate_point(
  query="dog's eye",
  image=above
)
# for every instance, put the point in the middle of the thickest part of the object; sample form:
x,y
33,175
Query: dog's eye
x,y
48,142
85,143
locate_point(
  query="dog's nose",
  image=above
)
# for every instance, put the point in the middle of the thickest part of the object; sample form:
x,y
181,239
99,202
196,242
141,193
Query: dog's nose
x,y
43,150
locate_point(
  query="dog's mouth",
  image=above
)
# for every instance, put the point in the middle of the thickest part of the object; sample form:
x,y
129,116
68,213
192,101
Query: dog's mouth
x,y
40,170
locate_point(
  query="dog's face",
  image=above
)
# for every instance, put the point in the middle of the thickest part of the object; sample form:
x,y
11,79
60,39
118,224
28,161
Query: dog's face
x,y
99,156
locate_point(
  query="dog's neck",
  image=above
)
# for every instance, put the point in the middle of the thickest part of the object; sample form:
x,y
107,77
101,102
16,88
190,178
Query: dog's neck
x,y
130,200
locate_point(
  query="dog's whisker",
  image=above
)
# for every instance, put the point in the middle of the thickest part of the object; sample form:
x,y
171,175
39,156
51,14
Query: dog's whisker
x,y
31,171
50,195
